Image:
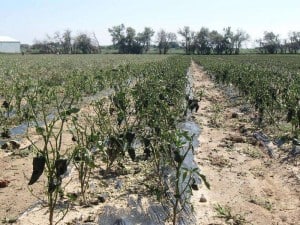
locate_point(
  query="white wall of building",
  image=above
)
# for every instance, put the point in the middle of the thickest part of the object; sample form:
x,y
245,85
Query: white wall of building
x,y
10,47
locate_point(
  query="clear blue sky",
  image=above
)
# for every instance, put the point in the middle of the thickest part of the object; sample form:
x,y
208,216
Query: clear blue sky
x,y
27,20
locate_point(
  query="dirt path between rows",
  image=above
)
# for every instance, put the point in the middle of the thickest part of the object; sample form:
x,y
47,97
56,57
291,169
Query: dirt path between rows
x,y
247,186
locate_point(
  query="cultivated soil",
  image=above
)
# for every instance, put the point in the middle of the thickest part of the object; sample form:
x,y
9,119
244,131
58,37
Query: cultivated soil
x,y
252,186
247,186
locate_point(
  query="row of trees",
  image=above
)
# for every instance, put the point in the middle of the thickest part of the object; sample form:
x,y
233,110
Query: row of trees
x,y
126,40
65,43
203,42
271,43
207,42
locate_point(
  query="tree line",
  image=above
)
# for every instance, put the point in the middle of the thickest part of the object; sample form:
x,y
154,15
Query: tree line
x,y
65,43
270,43
126,40
203,42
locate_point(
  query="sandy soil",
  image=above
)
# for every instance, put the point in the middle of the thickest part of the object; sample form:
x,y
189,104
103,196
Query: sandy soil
x,y
254,188
243,178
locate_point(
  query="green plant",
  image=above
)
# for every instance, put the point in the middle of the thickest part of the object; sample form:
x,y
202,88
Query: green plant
x,y
226,213
252,152
262,202
82,157
114,130
50,156
216,114
130,103
183,175
200,94
269,84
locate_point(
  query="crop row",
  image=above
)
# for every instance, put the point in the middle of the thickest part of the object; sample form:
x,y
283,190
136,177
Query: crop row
x,y
114,113
22,76
271,84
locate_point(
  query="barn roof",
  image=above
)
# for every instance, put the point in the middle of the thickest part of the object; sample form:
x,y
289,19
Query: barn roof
x,y
7,39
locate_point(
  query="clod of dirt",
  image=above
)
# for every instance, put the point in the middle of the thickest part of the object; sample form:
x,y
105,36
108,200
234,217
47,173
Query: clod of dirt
x,y
193,104
234,115
74,138
89,219
5,134
9,220
5,104
195,187
14,144
4,183
203,199
137,170
94,202
219,161
11,145
252,141
4,146
236,138
243,129
101,198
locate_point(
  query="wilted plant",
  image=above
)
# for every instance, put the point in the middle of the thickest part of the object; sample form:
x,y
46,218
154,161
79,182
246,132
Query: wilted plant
x,y
184,176
50,156
86,140
115,122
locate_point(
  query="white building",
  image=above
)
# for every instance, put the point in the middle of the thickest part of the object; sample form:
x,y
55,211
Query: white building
x,y
9,45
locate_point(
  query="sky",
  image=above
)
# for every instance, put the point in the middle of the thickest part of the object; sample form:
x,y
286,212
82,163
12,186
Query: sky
x,y
30,20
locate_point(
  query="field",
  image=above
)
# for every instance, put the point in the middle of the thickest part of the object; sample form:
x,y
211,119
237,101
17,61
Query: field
x,y
94,134
270,84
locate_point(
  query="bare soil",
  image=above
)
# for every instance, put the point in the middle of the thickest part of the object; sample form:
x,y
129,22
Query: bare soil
x,y
247,186
255,188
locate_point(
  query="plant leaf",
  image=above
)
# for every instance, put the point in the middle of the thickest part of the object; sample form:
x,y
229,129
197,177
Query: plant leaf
x,y
203,178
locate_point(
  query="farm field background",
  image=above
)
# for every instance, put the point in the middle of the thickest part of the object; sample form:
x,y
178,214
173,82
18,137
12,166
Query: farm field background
x,y
117,115
93,73
258,78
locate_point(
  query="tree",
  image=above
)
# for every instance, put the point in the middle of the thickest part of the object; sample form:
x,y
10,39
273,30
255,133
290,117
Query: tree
x,y
202,42
188,39
294,45
216,42
228,41
207,42
54,43
240,37
83,44
67,42
118,37
164,39
270,43
50,45
96,43
130,45
25,48
62,43
126,40
40,47
145,38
